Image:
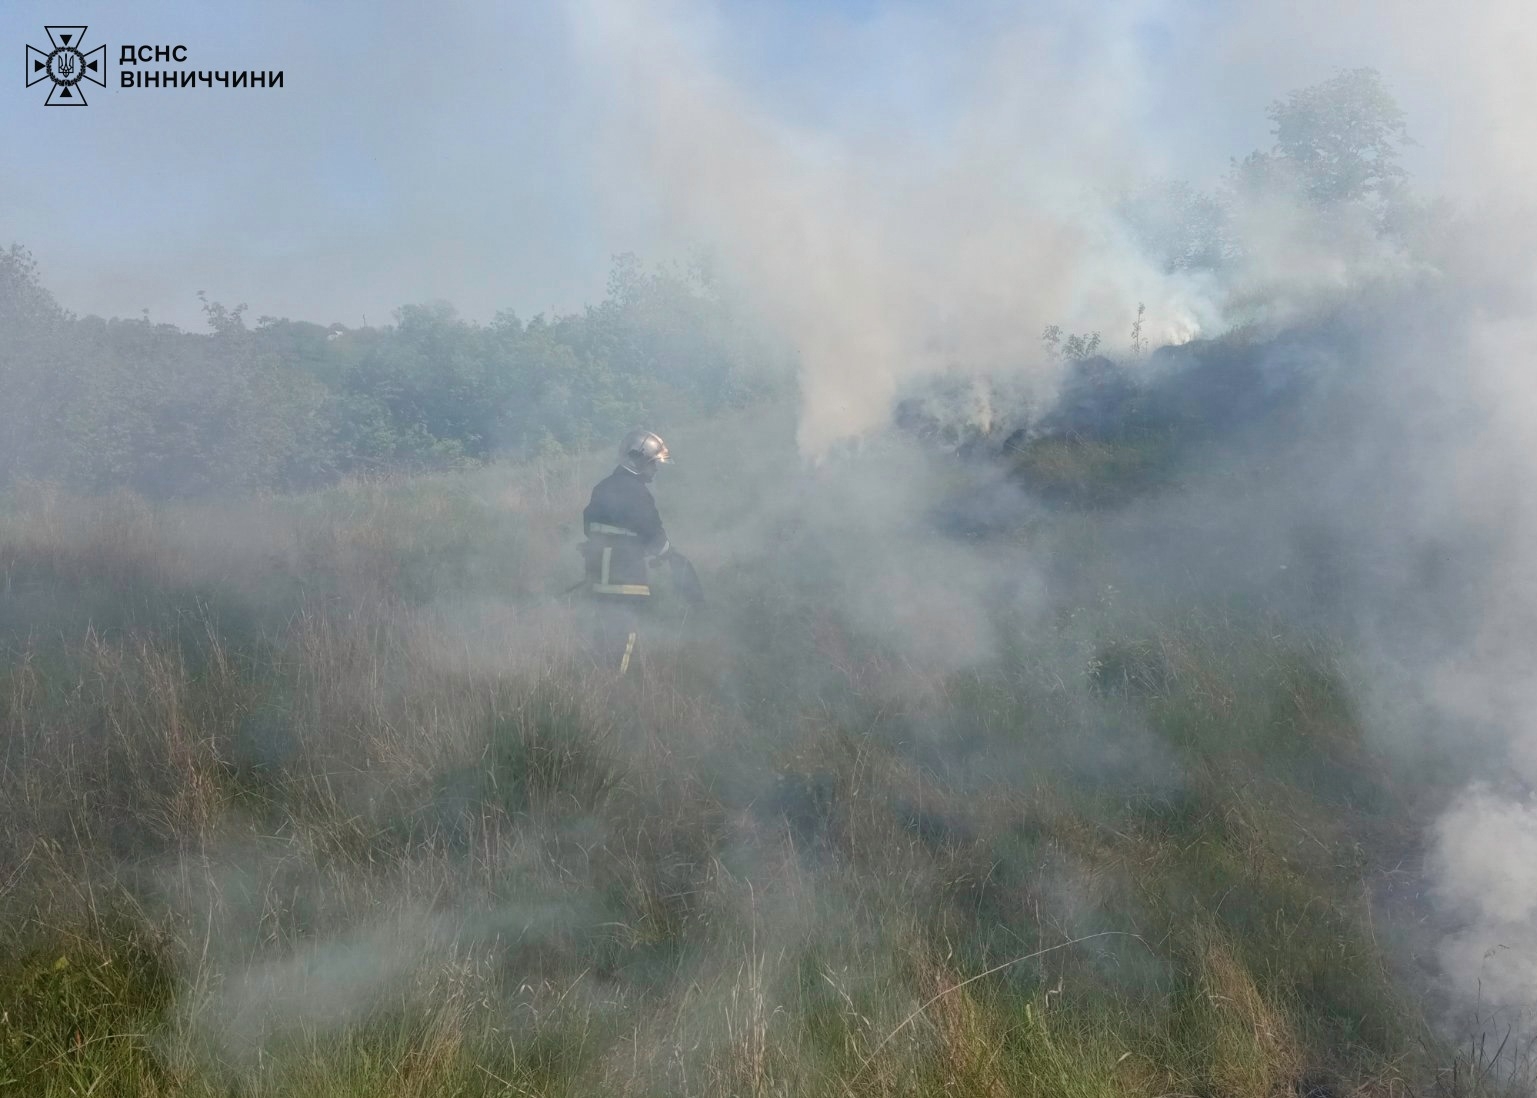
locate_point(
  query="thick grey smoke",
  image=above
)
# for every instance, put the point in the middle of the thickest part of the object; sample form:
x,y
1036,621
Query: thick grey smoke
x,y
892,242
888,252
927,240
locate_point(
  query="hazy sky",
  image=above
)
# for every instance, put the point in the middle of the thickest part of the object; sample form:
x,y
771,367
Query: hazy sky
x,y
465,151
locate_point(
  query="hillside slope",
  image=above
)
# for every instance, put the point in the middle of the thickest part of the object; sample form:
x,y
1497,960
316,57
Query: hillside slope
x,y
318,795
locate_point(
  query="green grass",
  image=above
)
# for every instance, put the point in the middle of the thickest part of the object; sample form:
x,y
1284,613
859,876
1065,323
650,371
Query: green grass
x,y
336,807
1086,472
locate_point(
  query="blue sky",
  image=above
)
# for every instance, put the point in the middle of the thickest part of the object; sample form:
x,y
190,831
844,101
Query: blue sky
x,y
409,156
452,151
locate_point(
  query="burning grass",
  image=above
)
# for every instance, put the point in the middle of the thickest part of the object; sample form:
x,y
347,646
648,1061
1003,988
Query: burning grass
x,y
308,811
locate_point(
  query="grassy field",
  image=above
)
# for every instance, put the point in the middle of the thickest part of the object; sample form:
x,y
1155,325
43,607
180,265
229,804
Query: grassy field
x,y
319,796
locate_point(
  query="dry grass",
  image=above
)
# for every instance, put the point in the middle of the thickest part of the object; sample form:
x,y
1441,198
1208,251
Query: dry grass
x,y
288,805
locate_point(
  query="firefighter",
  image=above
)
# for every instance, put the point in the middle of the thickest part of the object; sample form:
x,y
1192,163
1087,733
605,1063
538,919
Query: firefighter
x,y
624,535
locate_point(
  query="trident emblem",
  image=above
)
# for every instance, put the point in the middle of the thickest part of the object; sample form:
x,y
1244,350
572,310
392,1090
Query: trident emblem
x,y
66,65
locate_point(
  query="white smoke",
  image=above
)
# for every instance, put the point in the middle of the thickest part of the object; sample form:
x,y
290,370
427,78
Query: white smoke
x,y
886,255
927,244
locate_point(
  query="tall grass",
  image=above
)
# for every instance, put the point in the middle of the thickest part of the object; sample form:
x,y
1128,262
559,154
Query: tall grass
x,y
321,796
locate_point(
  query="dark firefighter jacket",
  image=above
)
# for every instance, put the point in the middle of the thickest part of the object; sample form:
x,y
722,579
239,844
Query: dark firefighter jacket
x,y
623,528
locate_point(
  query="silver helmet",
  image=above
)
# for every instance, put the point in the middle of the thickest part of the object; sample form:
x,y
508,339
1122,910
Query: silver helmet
x,y
641,451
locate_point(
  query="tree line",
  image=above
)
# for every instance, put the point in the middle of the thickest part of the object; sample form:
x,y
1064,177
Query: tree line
x,y
1336,154
99,404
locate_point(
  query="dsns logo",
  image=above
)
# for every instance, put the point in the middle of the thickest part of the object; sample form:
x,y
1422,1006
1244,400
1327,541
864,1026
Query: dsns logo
x,y
66,66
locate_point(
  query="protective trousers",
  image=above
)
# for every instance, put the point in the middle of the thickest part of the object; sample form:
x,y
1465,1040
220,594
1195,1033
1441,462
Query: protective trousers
x,y
617,626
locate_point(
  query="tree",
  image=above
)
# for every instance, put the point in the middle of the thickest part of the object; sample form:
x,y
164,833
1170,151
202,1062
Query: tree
x,y
101,403
1336,142
30,319
1181,227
